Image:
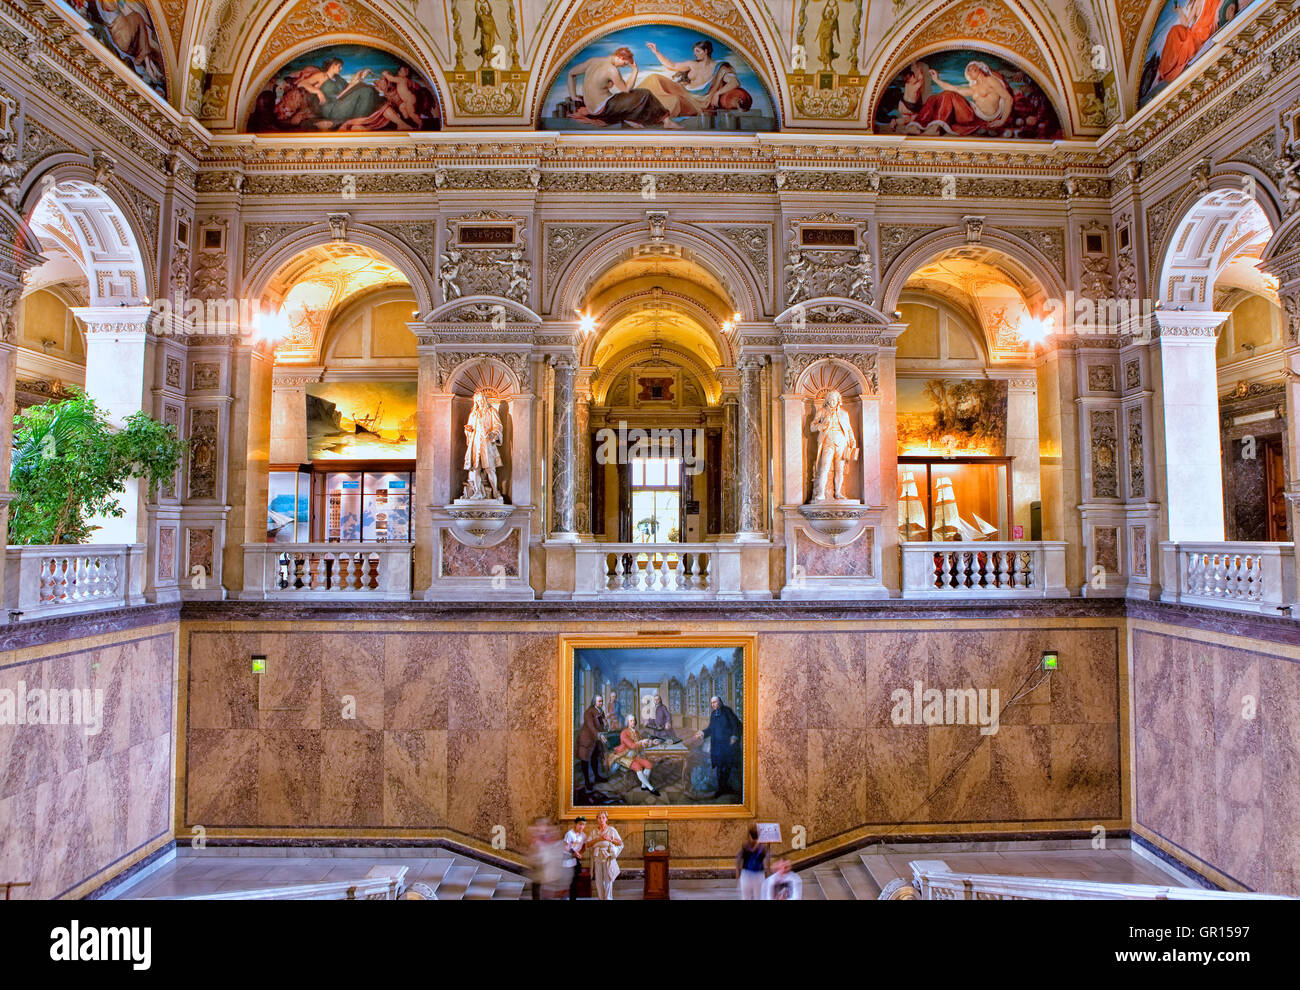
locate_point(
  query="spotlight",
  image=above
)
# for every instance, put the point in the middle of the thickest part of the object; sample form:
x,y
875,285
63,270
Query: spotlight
x,y
586,324
1033,330
271,327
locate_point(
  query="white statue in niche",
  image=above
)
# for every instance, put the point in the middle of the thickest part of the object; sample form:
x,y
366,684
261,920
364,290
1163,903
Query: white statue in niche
x,y
483,433
835,447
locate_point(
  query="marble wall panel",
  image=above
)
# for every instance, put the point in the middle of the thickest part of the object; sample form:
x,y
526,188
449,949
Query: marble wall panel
x,y
457,732
78,805
1217,754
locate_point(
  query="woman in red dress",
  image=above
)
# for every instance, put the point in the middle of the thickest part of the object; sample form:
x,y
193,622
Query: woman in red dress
x,y
628,754
1197,20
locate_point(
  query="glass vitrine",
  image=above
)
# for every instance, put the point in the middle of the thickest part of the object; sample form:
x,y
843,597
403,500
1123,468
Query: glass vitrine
x,y
954,499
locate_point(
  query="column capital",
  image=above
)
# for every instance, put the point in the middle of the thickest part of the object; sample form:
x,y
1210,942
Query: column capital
x,y
114,321
1188,326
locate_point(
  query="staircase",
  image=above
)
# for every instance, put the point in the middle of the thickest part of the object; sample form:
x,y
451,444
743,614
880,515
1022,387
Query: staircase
x,y
1069,866
458,878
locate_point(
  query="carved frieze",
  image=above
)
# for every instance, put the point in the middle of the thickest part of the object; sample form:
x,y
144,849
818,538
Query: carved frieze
x,y
259,238
796,364
1104,450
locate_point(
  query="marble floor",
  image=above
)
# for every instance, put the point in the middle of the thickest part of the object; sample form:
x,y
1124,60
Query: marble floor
x,y
859,875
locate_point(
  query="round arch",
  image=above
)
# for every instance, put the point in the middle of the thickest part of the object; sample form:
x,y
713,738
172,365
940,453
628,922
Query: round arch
x,y
924,249
258,278
628,304
625,359
716,257
1192,252
97,228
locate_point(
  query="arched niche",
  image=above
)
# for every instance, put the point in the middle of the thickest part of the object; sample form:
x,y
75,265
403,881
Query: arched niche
x,y
484,374
857,398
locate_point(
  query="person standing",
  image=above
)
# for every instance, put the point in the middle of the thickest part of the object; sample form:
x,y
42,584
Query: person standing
x,y
575,842
784,884
591,741
606,845
751,866
723,733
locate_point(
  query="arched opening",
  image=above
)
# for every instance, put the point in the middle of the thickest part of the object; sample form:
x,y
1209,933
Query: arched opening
x,y
83,320
655,423
1212,267
343,398
968,437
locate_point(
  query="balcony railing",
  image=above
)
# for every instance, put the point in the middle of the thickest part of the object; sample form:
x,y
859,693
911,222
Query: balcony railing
x,y
327,571
1016,569
932,881
1252,577
657,570
41,581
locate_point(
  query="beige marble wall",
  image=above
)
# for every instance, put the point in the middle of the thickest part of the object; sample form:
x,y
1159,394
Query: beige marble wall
x,y
455,731
1217,753
77,808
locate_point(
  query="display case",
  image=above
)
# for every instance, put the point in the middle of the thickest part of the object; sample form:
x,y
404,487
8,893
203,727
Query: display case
x,y
954,498
364,507
655,857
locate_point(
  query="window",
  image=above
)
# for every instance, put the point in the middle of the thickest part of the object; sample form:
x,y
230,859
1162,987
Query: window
x,y
656,499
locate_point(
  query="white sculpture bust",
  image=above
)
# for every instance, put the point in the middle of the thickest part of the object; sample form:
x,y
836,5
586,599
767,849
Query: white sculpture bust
x,y
835,447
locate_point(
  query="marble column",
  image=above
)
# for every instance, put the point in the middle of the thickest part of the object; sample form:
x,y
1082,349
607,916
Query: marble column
x,y
582,450
730,426
563,451
749,446
1189,460
1289,296
119,377
1061,456
249,455
1022,444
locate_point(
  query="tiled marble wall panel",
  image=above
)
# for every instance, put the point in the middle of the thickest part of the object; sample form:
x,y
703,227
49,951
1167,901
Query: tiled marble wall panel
x,y
74,806
458,731
1212,782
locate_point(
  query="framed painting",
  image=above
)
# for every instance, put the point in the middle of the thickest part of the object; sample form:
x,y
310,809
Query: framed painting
x,y
126,28
657,726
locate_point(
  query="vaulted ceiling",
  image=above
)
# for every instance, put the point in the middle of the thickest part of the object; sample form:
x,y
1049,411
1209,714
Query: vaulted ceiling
x,y
826,62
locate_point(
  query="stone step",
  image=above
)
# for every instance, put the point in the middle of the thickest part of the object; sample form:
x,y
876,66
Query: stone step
x,y
482,887
509,890
455,883
859,881
833,884
878,869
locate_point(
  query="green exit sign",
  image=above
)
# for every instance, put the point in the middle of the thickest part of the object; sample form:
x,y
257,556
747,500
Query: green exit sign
x,y
1049,661
259,665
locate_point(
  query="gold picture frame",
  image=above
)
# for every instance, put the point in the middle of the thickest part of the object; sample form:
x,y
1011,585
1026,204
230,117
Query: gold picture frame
x,y
569,647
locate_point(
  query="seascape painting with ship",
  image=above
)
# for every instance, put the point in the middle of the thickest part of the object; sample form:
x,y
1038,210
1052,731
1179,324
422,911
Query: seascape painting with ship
x,y
361,420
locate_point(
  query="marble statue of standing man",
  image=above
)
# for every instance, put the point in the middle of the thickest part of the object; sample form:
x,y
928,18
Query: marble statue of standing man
x,y
483,432
835,447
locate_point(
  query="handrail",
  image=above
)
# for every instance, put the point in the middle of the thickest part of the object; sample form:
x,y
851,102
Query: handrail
x,y
385,887
934,882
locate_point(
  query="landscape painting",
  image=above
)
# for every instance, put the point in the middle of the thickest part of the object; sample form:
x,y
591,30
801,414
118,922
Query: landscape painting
x,y
1182,31
346,88
126,28
660,77
655,727
966,93
361,420
952,416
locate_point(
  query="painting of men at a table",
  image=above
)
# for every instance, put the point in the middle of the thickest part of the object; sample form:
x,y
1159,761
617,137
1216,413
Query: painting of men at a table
x,y
658,726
